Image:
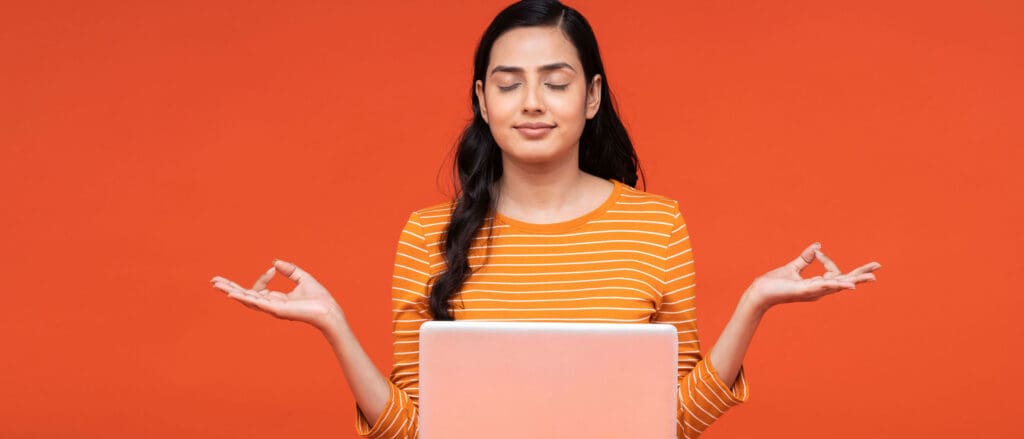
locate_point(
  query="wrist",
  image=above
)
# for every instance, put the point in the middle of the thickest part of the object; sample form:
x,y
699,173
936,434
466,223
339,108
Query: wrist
x,y
754,303
333,322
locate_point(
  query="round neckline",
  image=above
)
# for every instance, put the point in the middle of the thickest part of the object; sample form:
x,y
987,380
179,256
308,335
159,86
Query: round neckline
x,y
563,226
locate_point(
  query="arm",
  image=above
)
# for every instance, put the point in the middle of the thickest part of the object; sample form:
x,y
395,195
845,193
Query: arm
x,y
311,303
398,415
390,404
728,352
369,387
703,396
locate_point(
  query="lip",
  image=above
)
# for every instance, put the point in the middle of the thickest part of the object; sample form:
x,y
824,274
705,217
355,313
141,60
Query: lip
x,y
534,130
535,125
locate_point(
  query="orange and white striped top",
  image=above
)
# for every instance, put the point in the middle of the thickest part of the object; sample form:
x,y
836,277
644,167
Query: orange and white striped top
x,y
627,261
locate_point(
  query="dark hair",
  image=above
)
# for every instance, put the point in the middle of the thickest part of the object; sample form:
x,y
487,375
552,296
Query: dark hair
x,y
605,149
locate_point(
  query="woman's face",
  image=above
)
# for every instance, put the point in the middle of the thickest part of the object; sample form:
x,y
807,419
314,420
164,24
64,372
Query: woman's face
x,y
535,96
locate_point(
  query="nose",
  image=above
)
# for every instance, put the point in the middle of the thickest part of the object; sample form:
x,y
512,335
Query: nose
x,y
533,103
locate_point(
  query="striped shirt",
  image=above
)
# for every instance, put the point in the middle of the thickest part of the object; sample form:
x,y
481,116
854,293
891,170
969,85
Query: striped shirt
x,y
628,261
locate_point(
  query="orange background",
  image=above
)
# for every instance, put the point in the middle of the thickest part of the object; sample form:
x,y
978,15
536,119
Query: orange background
x,y
148,147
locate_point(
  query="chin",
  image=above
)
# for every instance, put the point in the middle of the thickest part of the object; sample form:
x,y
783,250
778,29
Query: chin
x,y
534,154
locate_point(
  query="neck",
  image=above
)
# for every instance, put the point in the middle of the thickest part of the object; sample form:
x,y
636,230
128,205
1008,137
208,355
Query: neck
x,y
548,187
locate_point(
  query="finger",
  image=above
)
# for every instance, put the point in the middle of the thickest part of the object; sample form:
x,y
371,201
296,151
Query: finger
x,y
817,290
233,292
227,286
255,302
264,279
834,283
830,267
233,289
806,257
231,286
866,277
866,268
243,302
226,281
230,283
291,270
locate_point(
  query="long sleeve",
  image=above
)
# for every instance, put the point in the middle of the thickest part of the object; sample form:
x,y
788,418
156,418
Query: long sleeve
x,y
703,397
410,309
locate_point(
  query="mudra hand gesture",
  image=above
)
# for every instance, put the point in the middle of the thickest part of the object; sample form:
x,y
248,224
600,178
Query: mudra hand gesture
x,y
309,302
784,284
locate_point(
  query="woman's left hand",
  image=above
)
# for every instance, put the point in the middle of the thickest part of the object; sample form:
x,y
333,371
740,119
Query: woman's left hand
x,y
784,284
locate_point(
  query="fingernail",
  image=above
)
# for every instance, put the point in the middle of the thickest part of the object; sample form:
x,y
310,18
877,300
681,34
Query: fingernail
x,y
817,244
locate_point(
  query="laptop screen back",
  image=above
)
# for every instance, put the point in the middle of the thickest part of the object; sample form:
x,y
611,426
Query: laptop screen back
x,y
547,379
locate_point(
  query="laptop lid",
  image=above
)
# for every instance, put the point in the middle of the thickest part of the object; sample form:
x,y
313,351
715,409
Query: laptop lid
x,y
547,379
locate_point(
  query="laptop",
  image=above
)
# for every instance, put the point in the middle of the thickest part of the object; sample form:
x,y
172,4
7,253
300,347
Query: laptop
x,y
488,379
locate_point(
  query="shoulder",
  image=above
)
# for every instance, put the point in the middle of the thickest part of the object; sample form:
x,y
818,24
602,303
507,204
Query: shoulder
x,y
426,224
434,213
635,199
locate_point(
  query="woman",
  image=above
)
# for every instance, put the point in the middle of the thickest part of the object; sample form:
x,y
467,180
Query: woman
x,y
547,225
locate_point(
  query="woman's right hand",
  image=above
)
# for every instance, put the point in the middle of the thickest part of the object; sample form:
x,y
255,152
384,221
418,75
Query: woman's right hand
x,y
309,302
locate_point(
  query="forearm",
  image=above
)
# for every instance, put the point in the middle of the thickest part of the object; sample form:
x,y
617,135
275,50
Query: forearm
x,y
727,354
368,386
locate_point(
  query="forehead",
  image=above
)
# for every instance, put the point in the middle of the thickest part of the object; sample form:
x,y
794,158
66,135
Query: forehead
x,y
533,46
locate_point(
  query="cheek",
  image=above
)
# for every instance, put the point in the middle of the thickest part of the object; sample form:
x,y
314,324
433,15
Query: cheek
x,y
570,113
568,110
568,104
503,109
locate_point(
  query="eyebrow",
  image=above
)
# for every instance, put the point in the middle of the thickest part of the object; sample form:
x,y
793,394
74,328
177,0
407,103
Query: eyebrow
x,y
544,68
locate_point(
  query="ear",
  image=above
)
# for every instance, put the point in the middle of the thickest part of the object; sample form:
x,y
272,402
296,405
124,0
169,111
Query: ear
x,y
594,97
480,99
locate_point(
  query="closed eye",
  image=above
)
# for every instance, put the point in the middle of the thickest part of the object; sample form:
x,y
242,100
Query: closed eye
x,y
553,86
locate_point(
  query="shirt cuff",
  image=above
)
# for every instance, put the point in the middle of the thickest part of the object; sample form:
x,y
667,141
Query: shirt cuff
x,y
363,427
738,393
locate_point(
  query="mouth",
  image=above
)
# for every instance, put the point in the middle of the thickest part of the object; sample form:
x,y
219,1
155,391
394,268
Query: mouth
x,y
534,131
